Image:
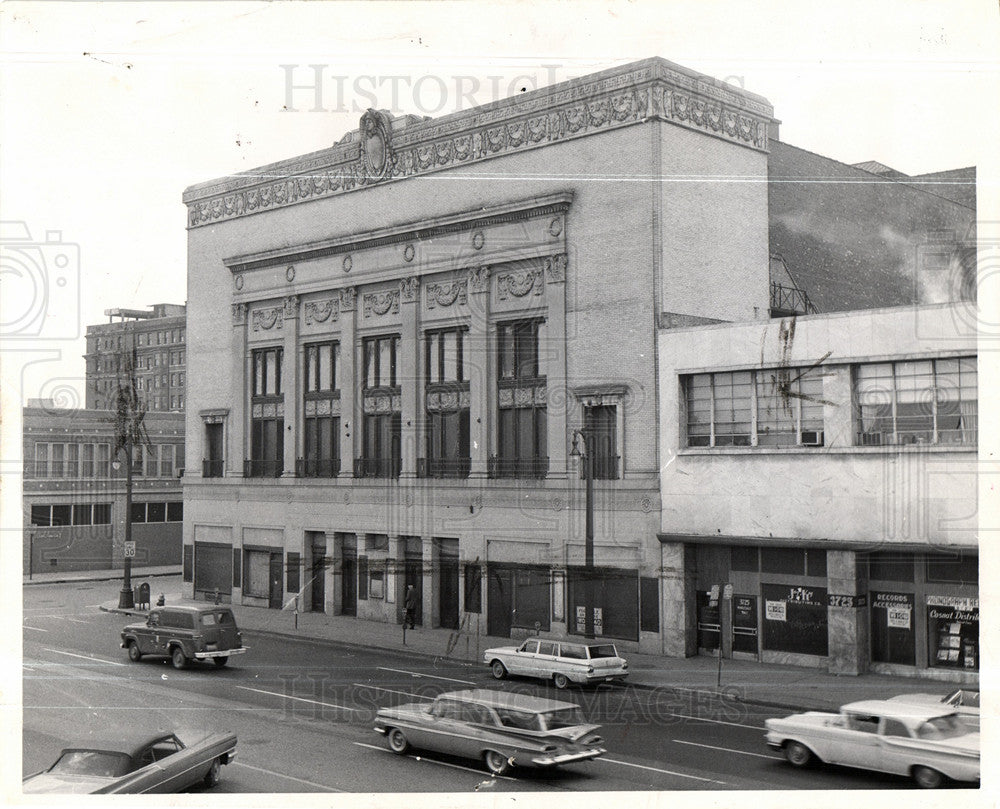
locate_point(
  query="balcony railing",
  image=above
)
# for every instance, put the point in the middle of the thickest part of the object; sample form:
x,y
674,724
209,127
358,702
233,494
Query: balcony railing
x,y
526,468
376,467
262,469
212,468
317,467
605,467
790,300
443,467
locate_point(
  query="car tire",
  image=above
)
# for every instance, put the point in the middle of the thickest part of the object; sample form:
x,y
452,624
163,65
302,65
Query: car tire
x,y
927,778
178,658
212,776
561,681
798,754
133,652
499,670
496,763
220,661
397,741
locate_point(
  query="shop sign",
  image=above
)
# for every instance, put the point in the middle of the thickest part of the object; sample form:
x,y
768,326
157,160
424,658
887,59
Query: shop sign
x,y
581,619
598,621
833,600
744,606
888,601
898,617
955,602
775,610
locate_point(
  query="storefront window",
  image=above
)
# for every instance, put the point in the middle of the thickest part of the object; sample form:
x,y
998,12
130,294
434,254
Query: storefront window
x,y
893,631
953,632
795,619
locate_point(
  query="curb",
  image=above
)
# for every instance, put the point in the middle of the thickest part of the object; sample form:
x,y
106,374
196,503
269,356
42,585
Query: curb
x,y
74,580
714,692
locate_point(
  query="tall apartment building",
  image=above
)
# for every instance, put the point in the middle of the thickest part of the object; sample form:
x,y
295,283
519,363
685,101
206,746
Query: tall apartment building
x,y
159,337
396,340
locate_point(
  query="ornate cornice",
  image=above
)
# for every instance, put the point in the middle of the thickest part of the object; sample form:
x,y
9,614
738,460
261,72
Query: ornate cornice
x,y
652,89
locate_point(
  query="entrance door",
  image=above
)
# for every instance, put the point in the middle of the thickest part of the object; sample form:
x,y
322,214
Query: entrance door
x,y
448,594
318,574
709,623
413,573
349,582
499,603
276,590
745,624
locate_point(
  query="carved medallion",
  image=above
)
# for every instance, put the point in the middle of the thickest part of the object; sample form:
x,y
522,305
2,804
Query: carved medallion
x,y
376,147
267,319
348,263
290,273
446,294
322,311
519,284
379,303
478,240
238,282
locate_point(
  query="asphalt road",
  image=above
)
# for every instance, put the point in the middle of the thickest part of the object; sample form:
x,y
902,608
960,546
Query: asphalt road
x,y
303,715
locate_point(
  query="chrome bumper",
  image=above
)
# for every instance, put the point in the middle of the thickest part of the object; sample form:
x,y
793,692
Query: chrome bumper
x,y
222,653
565,758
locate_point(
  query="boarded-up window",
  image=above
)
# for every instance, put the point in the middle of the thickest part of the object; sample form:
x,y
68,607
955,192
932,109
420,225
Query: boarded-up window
x,y
649,604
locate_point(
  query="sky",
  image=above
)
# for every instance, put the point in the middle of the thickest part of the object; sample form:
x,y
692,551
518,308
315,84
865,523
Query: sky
x,y
108,111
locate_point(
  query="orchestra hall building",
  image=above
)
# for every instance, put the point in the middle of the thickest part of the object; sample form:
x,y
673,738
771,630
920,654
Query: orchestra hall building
x,y
400,346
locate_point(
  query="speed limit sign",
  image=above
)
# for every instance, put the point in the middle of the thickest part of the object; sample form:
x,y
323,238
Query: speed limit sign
x,y
130,549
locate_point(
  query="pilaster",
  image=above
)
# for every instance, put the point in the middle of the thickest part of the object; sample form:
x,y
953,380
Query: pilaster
x,y
349,425
479,368
290,374
409,376
846,616
238,429
554,352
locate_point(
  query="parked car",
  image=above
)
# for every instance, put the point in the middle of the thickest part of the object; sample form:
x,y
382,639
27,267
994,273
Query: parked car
x,y
926,742
185,633
562,662
135,762
502,729
964,701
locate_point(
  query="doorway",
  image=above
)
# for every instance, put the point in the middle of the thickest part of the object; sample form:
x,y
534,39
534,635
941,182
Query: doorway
x,y
318,574
276,591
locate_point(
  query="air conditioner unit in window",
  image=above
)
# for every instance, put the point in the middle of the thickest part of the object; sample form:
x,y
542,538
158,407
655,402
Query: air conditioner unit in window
x,y
812,438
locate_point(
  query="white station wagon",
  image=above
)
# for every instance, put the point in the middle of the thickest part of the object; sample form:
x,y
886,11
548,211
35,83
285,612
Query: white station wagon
x,y
562,662
926,742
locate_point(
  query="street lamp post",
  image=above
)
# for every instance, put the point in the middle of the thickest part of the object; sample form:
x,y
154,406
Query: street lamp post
x,y
126,600
587,456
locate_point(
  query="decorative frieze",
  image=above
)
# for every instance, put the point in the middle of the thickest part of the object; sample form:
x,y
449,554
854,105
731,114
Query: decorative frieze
x,y
348,299
448,400
268,410
519,284
380,303
267,319
322,311
479,279
408,289
535,396
447,294
555,268
382,403
374,154
322,407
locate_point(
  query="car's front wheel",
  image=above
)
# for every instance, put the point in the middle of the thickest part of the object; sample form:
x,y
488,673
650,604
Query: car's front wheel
x,y
798,755
397,741
220,661
133,652
496,763
927,778
178,658
212,776
561,681
499,670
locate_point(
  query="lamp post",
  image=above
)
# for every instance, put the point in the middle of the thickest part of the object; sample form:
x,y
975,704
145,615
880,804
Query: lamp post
x,y
587,456
126,600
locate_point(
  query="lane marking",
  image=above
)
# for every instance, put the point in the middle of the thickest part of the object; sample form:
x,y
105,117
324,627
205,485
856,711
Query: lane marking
x,y
657,769
85,657
440,763
715,721
34,628
729,750
289,777
303,699
434,676
392,691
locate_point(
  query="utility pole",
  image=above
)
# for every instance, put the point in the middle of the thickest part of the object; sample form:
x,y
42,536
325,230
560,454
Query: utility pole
x,y
587,456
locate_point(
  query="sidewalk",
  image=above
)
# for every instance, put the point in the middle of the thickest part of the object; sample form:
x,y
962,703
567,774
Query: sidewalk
x,y
787,688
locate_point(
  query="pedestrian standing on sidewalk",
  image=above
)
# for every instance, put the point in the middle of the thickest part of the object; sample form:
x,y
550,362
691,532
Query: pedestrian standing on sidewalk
x,y
410,606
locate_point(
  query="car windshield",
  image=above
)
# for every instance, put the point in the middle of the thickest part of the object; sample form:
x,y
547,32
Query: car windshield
x,y
603,650
968,699
562,718
942,727
92,762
